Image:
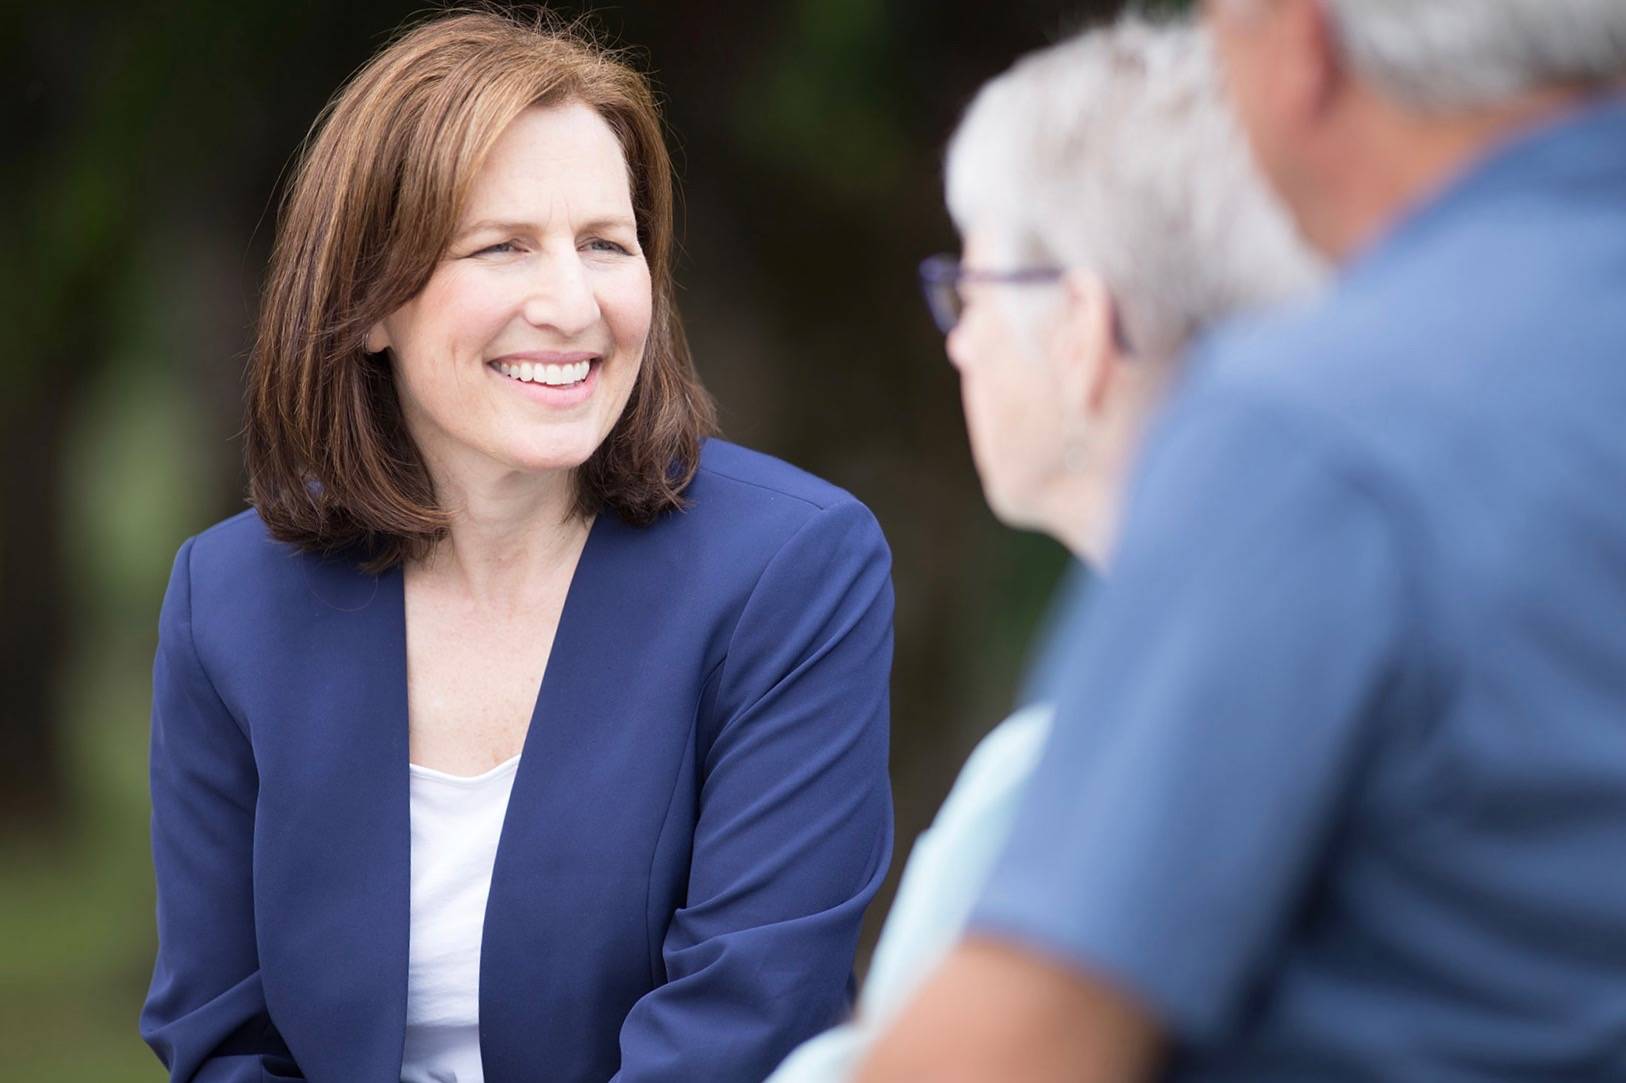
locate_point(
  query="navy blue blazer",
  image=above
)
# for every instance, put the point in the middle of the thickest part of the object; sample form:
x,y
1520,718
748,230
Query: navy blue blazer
x,y
700,815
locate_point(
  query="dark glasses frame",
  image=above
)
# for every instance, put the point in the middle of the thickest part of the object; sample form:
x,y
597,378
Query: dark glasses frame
x,y
941,277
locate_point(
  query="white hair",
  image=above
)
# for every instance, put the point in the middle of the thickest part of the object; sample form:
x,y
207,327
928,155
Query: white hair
x,y
1114,151
1460,54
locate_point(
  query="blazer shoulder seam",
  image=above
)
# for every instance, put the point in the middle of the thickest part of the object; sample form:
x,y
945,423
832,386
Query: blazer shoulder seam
x,y
192,636
841,495
229,521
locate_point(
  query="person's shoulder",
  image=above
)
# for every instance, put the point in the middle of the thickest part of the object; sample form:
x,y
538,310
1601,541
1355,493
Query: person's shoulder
x,y
735,475
746,512
239,552
764,501
1351,372
1298,352
236,591
951,860
242,532
230,548
237,567
996,772
1435,326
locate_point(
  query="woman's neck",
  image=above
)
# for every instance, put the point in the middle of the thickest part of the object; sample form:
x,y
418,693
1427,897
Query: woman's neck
x,y
1078,516
513,534
1084,507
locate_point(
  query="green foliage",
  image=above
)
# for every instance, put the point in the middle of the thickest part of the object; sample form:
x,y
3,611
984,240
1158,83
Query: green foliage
x,y
1165,8
816,105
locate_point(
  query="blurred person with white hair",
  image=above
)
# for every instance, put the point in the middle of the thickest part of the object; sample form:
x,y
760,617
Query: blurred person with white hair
x,y
1337,783
1109,212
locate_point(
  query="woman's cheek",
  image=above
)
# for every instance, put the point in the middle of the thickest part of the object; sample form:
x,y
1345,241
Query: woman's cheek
x,y
629,309
989,425
1006,410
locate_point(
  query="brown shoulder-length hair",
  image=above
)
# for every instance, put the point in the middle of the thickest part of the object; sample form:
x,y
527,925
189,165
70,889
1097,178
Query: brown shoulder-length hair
x,y
373,204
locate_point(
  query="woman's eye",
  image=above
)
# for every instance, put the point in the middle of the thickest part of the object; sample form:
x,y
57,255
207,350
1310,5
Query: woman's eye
x,y
599,244
500,249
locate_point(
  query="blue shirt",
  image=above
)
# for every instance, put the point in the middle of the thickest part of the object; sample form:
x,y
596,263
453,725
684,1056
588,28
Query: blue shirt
x,y
1338,782
1051,654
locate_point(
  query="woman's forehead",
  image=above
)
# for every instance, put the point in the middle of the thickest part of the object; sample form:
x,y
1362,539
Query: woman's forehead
x,y
551,158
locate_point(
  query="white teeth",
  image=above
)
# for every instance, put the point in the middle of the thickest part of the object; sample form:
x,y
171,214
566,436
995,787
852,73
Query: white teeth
x,y
552,375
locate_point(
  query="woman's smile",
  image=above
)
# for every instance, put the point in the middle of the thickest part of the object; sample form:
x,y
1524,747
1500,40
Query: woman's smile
x,y
557,382
545,287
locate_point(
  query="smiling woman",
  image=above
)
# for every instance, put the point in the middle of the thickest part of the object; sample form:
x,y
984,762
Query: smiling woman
x,y
476,167
518,730
526,342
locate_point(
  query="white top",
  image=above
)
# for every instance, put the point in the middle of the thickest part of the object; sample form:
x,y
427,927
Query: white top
x,y
456,822
947,869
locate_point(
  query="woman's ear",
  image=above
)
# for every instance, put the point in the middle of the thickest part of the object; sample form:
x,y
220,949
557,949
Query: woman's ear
x,y
378,339
1317,75
1086,350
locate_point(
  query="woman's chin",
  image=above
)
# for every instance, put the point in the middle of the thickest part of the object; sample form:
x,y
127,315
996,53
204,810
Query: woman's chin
x,y
1000,504
1013,509
565,448
551,461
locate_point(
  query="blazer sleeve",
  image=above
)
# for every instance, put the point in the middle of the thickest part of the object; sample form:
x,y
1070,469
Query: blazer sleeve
x,y
794,827
205,1013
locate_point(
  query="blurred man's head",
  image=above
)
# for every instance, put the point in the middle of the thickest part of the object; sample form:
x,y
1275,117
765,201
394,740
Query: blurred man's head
x,y
1356,108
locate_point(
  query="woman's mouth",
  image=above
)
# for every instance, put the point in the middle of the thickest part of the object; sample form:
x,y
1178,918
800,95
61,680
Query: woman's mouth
x,y
550,375
552,384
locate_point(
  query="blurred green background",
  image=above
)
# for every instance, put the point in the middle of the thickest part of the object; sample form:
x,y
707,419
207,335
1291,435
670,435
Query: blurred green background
x,y
145,148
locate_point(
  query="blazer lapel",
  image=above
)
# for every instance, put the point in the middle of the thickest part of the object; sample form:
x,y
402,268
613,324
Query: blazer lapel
x,y
570,889
333,882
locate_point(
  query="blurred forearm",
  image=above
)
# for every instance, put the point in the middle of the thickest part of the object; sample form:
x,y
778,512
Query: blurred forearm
x,y
996,1012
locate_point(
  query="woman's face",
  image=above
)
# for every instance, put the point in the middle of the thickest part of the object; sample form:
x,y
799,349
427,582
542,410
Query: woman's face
x,y
1013,394
522,350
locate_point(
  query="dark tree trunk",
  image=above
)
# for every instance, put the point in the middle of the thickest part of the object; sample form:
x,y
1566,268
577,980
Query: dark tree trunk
x,y
34,630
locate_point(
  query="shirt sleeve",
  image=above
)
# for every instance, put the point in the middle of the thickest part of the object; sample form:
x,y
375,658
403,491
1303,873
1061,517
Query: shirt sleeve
x,y
1216,712
794,829
205,1013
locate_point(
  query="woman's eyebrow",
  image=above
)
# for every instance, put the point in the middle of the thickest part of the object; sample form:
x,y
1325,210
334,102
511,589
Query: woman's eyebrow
x,y
495,225
500,225
610,221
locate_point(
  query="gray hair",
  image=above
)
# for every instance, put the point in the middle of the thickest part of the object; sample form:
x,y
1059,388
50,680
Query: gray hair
x,y
1443,55
1115,151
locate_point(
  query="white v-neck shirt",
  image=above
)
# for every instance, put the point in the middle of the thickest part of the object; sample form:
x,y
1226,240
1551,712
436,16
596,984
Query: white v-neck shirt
x,y
456,822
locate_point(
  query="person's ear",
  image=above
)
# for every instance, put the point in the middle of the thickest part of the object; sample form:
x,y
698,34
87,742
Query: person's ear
x,y
1310,67
1086,350
378,338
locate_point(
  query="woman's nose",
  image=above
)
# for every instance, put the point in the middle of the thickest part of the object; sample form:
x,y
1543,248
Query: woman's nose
x,y
561,296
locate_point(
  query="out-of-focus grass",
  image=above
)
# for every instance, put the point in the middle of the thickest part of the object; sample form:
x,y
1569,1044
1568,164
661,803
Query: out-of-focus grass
x,y
78,910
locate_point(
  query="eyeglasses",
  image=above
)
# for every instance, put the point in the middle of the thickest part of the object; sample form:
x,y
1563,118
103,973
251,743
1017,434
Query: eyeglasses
x,y
942,279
